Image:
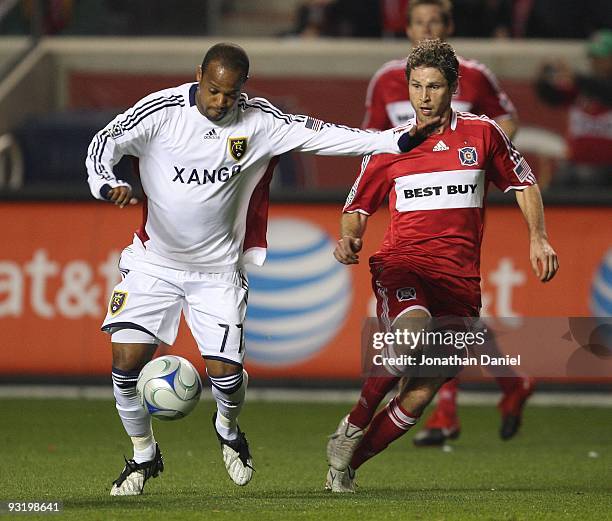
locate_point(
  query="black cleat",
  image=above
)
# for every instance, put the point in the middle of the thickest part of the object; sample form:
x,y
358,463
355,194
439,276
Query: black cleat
x,y
511,407
134,475
236,456
510,426
435,437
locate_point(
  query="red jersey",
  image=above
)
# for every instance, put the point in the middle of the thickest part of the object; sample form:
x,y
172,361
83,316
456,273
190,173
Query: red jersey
x,y
589,133
589,128
388,102
436,199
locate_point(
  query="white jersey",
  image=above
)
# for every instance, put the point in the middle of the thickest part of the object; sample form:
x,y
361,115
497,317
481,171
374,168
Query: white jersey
x,y
206,183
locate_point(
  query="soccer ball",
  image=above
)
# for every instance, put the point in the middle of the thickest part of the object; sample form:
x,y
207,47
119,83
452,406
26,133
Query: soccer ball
x,y
169,387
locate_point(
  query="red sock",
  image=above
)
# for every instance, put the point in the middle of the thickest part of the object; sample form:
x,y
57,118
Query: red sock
x,y
445,413
373,391
387,426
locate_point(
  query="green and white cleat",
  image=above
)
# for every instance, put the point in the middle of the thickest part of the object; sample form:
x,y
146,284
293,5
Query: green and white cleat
x,y
342,444
340,481
134,475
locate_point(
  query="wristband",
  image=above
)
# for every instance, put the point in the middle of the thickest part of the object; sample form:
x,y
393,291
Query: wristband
x,y
406,142
104,191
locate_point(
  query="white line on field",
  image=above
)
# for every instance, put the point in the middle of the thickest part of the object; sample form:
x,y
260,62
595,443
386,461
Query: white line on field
x,y
74,392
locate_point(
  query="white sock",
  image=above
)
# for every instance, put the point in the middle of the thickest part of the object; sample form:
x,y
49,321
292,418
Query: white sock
x,y
144,448
136,421
229,407
227,428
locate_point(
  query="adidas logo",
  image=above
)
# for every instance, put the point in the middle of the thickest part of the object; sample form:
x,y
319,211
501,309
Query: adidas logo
x,y
211,134
440,147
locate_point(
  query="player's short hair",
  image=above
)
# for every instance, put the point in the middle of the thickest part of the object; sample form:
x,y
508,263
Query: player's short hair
x,y
230,55
437,54
446,7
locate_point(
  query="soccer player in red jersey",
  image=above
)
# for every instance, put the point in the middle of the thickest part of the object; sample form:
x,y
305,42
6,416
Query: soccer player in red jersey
x,y
432,245
388,105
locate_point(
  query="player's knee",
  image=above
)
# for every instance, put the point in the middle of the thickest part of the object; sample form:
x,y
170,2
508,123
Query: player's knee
x,y
424,386
217,368
413,320
132,349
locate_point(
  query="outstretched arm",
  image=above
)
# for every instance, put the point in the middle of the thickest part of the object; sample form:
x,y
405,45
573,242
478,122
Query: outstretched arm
x,y
352,228
542,255
307,134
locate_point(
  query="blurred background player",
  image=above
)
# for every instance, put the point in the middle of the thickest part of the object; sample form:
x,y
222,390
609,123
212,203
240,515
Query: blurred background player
x,y
388,105
588,97
432,244
387,99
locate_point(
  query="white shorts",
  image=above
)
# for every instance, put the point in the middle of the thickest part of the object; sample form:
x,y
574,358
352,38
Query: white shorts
x,y
150,298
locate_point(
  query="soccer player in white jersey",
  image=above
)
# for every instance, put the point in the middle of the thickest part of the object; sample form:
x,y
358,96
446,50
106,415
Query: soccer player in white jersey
x,y
429,261
206,156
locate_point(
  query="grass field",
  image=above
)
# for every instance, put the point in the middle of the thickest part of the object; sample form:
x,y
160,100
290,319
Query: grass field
x,y
71,450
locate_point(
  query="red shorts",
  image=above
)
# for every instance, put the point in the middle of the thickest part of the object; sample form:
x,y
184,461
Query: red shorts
x,y
399,290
